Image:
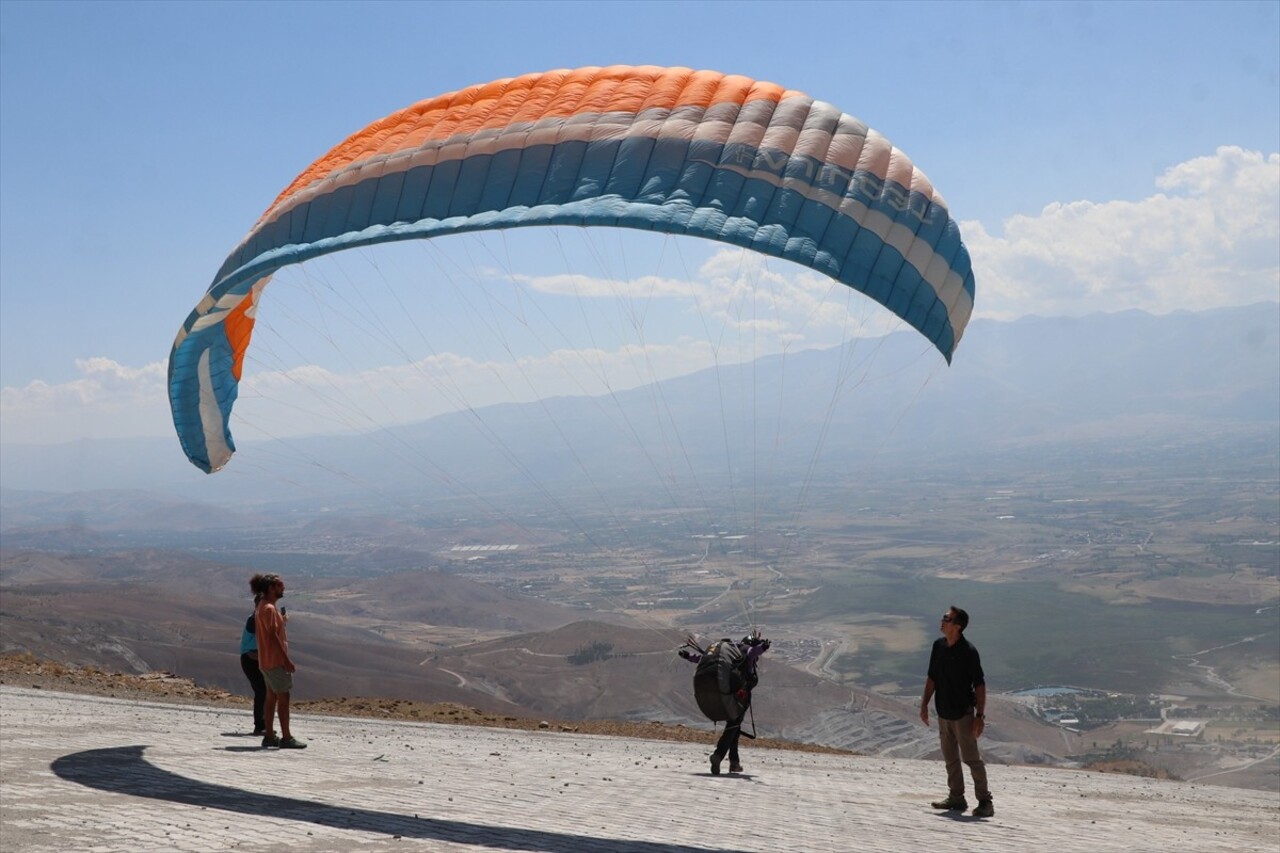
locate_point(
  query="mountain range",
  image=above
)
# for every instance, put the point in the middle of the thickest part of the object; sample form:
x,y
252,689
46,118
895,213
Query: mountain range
x,y
120,554
1014,388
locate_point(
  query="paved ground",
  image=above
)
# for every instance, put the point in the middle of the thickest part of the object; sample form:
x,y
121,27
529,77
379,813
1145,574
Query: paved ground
x,y
85,773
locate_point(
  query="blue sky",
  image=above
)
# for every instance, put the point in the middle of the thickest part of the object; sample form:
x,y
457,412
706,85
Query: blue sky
x,y
1099,157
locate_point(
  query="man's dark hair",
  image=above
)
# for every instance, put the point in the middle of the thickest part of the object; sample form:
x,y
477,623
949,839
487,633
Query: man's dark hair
x,y
962,617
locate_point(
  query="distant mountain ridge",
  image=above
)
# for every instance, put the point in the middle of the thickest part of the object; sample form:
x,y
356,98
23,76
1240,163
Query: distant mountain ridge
x,y
1028,382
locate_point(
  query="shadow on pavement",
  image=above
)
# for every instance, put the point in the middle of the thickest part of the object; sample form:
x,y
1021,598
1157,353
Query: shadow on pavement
x,y
124,770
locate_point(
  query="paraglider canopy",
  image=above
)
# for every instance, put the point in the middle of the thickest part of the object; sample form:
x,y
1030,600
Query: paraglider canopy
x,y
672,150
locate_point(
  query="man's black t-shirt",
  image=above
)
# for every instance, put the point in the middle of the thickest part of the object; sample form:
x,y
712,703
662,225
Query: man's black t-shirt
x,y
956,671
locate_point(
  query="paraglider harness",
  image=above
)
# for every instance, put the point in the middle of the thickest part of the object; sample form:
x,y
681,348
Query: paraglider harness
x,y
721,684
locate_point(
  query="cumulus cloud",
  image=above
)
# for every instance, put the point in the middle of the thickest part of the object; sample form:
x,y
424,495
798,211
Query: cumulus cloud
x,y
1210,237
106,400
748,303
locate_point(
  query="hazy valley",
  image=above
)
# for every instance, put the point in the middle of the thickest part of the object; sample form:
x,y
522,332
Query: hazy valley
x,y
1112,531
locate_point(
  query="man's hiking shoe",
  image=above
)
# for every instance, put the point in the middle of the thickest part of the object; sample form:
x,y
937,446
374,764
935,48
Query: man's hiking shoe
x,y
292,743
984,809
735,767
715,764
270,740
951,804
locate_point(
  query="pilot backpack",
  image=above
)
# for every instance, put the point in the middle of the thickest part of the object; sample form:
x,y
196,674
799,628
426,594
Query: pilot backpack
x,y
718,679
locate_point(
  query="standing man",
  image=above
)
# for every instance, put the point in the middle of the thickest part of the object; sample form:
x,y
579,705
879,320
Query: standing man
x,y
273,659
956,680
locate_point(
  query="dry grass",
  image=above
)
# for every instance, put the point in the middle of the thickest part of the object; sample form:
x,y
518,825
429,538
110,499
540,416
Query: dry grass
x,y
26,670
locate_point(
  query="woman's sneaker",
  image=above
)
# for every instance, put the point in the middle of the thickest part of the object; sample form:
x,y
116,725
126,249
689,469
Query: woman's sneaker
x,y
292,743
270,740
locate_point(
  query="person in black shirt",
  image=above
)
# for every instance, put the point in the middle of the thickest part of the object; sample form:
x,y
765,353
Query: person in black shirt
x,y
959,690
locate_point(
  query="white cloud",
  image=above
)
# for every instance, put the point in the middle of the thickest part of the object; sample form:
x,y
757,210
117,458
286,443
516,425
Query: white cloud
x,y
736,294
107,400
594,287
313,399
1211,238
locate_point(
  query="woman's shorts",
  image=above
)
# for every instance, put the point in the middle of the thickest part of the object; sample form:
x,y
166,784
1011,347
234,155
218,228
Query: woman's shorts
x,y
278,679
